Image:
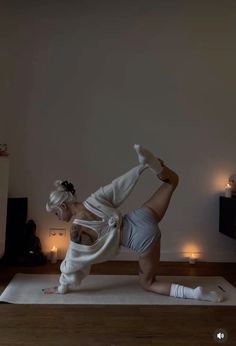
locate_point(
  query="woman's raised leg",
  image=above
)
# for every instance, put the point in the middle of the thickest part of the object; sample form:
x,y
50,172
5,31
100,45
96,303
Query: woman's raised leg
x,y
159,201
149,260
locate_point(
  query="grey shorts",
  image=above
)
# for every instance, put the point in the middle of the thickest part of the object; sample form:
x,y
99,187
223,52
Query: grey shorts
x,y
140,230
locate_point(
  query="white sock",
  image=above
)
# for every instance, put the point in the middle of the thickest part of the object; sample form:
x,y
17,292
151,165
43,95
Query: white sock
x,y
199,293
146,157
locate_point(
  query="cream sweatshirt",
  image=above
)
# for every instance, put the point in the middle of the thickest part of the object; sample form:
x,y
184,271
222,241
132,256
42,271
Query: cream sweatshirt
x,y
104,203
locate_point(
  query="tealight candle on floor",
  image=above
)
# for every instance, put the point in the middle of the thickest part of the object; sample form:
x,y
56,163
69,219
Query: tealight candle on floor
x,y
192,259
53,255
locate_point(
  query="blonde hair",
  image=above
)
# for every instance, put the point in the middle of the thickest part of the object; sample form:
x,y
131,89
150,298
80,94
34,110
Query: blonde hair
x,y
64,193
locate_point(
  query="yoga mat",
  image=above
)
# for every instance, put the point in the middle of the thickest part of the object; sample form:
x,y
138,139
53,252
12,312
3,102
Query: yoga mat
x,y
110,289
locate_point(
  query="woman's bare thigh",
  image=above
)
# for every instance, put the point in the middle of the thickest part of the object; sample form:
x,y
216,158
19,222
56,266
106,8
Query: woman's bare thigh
x,y
149,262
160,200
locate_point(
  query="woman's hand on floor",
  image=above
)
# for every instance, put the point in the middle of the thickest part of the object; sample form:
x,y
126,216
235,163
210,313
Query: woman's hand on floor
x,y
50,290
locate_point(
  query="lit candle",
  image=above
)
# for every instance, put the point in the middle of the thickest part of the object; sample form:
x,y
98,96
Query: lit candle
x,y
53,255
192,259
228,192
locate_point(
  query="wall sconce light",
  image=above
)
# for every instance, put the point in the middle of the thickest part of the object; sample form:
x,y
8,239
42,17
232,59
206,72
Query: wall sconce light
x,y
56,231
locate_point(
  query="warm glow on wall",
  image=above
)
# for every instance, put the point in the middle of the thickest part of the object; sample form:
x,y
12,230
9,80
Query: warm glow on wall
x,y
219,181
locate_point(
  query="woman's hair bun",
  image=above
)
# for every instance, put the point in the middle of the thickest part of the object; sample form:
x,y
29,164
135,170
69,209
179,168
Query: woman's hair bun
x,y
64,185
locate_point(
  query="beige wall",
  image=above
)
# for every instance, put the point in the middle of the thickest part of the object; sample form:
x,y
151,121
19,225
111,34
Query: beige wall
x,y
84,81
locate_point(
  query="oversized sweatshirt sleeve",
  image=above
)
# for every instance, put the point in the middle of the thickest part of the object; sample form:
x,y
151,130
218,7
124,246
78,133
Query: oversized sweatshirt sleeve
x,y
119,189
73,271
79,259
72,279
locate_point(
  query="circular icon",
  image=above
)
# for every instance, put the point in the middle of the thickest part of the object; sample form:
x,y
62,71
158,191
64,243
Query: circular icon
x,y
220,335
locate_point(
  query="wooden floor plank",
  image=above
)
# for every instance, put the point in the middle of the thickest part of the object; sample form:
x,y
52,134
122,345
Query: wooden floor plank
x,y
114,325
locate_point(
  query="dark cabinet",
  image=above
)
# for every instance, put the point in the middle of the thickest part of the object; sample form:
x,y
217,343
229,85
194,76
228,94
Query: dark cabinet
x,y
227,216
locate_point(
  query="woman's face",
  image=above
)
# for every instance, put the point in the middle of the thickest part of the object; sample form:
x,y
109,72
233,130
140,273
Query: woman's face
x,y
63,213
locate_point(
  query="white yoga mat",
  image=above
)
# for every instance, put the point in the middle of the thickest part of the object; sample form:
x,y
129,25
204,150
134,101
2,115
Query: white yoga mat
x,y
110,289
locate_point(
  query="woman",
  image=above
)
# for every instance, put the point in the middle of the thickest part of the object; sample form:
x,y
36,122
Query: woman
x,y
98,229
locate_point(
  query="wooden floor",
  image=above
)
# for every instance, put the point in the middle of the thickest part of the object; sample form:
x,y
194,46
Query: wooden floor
x,y
38,325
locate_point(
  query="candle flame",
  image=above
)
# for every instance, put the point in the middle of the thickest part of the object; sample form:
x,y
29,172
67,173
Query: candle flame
x,y
191,251
54,248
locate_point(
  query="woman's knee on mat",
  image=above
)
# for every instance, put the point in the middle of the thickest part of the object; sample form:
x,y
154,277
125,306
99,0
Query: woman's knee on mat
x,y
145,282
